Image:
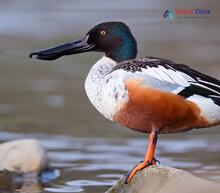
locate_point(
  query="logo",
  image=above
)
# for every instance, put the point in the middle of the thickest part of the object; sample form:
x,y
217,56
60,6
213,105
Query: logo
x,y
187,13
168,14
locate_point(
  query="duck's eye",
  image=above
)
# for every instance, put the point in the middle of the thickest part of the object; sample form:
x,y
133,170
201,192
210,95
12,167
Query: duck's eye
x,y
103,32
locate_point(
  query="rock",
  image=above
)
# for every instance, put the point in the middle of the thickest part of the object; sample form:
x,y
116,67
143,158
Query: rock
x,y
159,179
23,156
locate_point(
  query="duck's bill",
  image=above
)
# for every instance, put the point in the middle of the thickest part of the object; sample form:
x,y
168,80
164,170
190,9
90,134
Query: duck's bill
x,y
74,47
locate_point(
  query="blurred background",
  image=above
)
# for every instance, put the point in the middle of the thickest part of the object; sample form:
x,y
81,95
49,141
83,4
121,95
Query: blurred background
x,y
46,100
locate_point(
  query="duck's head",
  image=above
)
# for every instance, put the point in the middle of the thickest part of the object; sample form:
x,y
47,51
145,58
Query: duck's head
x,y
113,38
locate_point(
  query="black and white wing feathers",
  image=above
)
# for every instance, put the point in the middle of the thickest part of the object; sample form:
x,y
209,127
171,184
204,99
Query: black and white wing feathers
x,y
191,82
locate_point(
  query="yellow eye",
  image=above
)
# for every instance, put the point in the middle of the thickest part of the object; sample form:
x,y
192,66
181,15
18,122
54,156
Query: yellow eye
x,y
103,32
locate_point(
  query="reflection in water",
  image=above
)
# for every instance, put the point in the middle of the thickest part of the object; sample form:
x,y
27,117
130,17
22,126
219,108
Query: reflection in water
x,y
29,182
64,189
9,181
93,164
85,183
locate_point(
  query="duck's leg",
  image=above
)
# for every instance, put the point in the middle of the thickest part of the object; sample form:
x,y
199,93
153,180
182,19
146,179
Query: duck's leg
x,y
149,156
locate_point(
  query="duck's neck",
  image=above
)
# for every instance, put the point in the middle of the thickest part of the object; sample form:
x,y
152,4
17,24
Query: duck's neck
x,y
125,49
101,68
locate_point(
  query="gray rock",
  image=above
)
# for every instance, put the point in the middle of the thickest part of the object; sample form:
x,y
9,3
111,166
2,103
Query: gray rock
x,y
159,179
23,156
21,162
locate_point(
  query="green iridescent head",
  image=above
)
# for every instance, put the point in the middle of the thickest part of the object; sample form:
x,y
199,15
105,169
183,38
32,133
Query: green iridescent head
x,y
114,39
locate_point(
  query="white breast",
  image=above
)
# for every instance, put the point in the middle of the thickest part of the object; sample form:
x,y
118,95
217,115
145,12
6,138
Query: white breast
x,y
104,88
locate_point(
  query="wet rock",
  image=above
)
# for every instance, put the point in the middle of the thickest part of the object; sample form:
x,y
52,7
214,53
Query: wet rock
x,y
161,179
23,156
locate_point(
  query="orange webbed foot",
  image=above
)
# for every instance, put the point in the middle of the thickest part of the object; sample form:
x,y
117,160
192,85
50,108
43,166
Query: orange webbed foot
x,y
140,166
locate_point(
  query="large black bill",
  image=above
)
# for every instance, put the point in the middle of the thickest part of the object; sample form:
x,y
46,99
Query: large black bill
x,y
53,53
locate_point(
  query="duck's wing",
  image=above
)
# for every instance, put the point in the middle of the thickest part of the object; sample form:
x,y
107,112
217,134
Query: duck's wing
x,y
176,78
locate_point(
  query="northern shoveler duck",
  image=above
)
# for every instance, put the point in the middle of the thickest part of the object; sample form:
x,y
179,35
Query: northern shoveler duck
x,y
150,94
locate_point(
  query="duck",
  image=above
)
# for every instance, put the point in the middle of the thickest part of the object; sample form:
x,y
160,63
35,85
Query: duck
x,y
149,95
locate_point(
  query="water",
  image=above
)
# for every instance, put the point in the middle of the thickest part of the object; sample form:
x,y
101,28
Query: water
x,y
47,101
95,164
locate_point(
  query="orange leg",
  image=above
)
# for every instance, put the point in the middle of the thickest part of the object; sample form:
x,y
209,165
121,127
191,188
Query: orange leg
x,y
149,157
